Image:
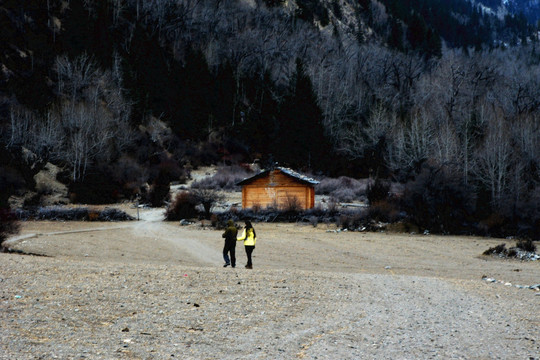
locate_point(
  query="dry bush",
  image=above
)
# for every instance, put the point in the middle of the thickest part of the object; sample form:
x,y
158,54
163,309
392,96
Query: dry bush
x,y
526,245
112,214
94,190
158,194
129,174
352,221
183,207
292,204
207,198
438,200
344,195
93,215
59,213
225,178
385,211
499,249
8,224
344,189
378,191
493,225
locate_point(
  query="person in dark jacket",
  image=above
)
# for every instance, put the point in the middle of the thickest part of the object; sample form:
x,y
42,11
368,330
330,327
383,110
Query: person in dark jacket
x,y
230,244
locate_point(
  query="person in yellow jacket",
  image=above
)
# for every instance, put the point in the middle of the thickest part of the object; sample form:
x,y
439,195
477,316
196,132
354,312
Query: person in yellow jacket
x,y
250,238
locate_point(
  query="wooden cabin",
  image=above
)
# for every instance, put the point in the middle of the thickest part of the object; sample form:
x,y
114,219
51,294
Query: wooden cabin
x,y
278,187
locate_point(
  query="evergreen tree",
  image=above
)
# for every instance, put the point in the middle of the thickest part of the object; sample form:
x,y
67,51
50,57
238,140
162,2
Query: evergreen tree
x,y
146,75
260,130
433,47
195,97
77,34
395,39
416,33
301,142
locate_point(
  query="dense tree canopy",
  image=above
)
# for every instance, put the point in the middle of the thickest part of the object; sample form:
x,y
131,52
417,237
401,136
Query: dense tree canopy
x,y
340,87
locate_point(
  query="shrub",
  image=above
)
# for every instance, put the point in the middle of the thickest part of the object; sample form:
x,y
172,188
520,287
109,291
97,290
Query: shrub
x,y
438,200
129,175
526,245
183,207
352,220
385,211
61,213
8,224
112,214
512,252
93,215
94,190
344,195
377,191
493,225
291,205
225,178
57,213
256,208
328,185
207,198
158,194
499,249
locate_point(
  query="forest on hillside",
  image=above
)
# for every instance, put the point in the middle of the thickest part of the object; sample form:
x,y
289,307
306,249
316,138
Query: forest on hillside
x,y
438,95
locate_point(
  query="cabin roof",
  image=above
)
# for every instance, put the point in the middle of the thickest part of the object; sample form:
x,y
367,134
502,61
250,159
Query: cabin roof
x,y
301,178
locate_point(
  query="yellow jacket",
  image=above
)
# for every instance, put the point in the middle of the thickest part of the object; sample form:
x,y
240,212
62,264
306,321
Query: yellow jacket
x,y
250,239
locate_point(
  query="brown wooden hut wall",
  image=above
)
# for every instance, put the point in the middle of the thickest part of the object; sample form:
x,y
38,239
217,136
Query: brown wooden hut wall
x,y
277,187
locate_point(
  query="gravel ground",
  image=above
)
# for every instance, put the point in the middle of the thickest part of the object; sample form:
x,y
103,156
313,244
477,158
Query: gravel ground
x,y
154,290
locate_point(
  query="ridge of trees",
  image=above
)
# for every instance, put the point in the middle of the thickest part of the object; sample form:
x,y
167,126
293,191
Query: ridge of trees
x,y
145,89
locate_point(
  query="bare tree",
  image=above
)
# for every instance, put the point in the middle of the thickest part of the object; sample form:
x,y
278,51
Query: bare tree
x,y
493,161
412,143
207,198
22,123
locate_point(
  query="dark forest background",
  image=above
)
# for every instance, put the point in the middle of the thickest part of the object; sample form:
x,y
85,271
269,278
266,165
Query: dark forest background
x,y
442,96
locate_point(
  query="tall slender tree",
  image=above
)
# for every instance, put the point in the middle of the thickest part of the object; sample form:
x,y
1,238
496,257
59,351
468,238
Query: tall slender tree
x,y
302,140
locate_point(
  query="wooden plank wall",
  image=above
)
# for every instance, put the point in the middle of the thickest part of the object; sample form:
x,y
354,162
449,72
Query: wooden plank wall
x,y
277,189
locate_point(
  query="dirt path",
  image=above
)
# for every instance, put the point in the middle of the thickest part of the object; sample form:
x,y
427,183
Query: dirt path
x,y
152,226
155,290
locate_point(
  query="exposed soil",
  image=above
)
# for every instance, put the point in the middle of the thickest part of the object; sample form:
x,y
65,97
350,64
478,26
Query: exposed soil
x,y
153,290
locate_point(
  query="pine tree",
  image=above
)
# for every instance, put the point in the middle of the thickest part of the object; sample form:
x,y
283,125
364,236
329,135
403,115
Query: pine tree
x,y
302,142
395,39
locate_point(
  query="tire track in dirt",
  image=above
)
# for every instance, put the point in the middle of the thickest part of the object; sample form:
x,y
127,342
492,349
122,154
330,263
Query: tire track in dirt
x,y
191,250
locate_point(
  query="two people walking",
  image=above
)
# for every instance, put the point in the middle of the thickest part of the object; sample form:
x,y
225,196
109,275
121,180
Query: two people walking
x,y
248,236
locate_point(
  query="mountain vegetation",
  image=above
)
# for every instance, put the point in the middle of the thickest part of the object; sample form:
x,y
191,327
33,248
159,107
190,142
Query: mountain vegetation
x,y
122,93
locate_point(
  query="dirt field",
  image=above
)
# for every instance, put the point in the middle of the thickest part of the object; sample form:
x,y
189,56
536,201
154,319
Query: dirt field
x,y
155,290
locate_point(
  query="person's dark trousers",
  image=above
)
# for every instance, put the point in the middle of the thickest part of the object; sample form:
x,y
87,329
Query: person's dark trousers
x,y
249,251
229,248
